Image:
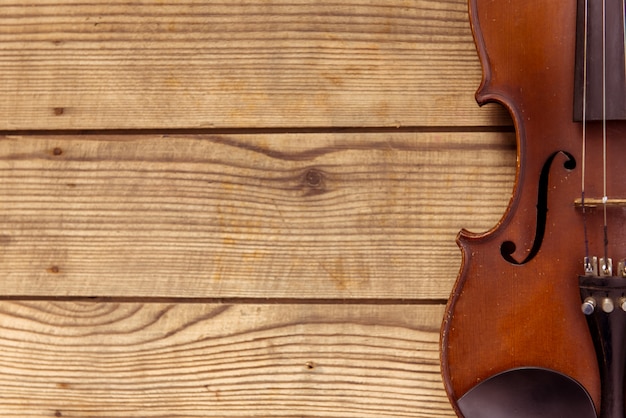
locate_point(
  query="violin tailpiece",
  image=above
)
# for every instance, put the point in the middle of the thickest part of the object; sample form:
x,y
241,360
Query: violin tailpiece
x,y
604,305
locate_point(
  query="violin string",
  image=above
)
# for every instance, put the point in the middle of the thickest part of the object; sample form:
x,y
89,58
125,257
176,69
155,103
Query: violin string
x,y
584,134
604,175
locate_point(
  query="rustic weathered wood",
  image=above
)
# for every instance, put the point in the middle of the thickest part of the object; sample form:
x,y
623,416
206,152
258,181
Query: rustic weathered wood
x,y
261,216
91,359
244,63
297,220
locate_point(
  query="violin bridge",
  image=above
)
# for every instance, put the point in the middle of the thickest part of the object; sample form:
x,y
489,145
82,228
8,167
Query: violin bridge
x,y
595,202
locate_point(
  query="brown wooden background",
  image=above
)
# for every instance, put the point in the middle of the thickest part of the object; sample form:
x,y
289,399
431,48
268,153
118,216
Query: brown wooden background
x,y
238,208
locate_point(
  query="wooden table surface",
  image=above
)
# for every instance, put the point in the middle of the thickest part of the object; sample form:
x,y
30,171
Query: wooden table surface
x,y
237,209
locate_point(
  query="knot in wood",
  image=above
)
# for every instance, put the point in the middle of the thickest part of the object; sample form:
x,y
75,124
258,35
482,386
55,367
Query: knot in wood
x,y
314,178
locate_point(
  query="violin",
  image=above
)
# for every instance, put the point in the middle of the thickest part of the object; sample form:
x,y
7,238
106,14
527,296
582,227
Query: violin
x,y
536,322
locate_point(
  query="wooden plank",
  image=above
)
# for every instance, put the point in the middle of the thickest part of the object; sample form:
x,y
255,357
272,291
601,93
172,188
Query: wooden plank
x,y
78,359
277,216
244,63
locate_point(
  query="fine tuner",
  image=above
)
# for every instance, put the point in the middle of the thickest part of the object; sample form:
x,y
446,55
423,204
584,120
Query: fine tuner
x,y
603,268
598,270
606,304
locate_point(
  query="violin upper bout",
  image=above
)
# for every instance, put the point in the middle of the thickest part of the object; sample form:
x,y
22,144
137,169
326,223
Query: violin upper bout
x,y
481,96
488,90
516,56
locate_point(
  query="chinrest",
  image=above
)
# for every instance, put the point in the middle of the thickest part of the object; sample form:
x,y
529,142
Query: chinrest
x,y
527,393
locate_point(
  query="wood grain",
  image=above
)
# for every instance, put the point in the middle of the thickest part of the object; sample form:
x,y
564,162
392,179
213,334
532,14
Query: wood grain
x,y
256,216
115,181
245,63
93,359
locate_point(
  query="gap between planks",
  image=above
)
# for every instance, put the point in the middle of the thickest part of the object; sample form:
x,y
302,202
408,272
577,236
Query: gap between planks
x,y
228,301
266,131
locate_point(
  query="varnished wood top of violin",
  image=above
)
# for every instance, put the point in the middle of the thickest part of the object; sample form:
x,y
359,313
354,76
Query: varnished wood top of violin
x,y
516,302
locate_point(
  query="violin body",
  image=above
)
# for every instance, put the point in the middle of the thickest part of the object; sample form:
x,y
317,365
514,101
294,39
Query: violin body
x,y
516,302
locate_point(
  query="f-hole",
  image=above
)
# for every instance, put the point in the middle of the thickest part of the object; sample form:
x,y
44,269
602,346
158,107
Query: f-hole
x,y
508,247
